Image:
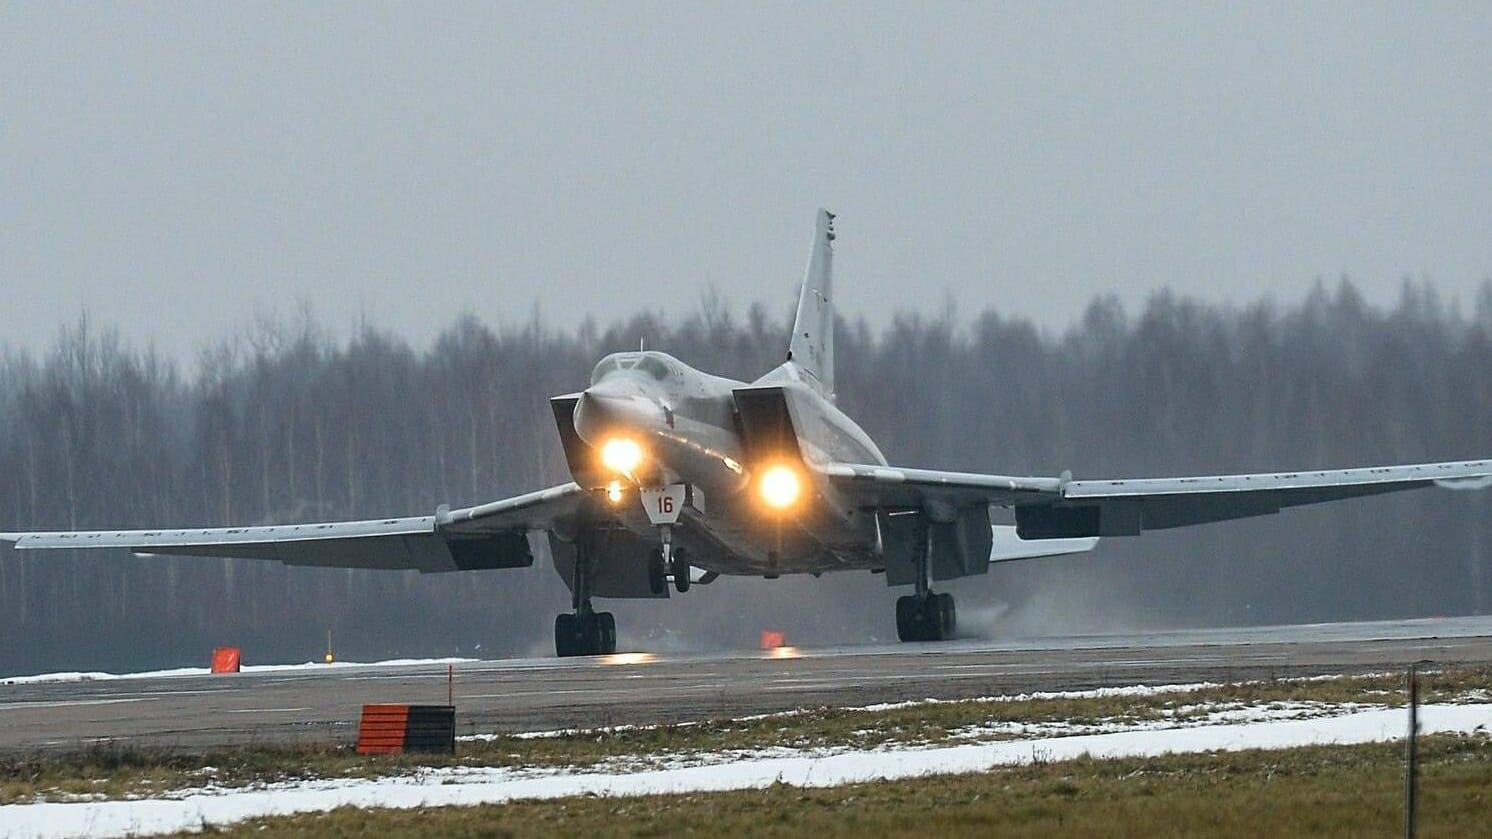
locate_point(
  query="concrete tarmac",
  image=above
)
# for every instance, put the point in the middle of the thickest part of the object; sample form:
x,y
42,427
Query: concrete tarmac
x,y
316,704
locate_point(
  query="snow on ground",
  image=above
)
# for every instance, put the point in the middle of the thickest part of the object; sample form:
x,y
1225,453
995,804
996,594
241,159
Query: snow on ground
x,y
192,809
1185,716
1095,693
203,671
1131,690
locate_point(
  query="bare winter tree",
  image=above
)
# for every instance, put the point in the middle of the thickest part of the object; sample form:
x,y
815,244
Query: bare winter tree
x,y
283,423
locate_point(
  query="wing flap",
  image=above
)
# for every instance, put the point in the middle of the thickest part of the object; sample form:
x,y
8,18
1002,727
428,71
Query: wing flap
x,y
403,543
900,487
1335,483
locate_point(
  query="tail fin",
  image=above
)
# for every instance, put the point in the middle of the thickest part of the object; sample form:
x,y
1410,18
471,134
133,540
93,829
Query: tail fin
x,y
812,347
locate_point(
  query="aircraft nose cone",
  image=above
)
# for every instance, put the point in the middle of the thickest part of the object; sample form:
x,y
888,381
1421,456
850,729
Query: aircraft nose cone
x,y
602,412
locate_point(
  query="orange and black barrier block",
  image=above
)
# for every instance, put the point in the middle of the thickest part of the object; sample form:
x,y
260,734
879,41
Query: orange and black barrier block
x,y
396,729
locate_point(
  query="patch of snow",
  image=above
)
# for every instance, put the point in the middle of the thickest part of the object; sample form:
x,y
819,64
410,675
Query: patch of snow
x,y
194,809
1095,693
568,732
95,676
1185,716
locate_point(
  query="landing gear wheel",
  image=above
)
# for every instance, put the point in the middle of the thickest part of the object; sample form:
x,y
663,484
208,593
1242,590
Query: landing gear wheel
x,y
605,633
907,614
680,570
657,572
930,618
566,636
947,616
592,633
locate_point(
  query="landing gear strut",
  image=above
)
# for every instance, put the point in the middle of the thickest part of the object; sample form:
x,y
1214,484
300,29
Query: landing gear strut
x,y
925,616
667,561
586,632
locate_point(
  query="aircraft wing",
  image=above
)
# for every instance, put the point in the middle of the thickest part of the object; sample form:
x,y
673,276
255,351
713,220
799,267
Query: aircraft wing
x,y
494,535
1059,508
895,486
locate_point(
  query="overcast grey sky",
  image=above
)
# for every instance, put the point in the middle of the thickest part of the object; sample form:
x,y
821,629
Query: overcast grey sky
x,y
175,168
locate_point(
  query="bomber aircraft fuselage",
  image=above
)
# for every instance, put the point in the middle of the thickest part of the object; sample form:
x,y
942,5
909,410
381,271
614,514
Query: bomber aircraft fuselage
x,y
657,422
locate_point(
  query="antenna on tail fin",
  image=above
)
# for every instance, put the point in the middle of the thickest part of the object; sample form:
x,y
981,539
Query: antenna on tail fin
x,y
812,347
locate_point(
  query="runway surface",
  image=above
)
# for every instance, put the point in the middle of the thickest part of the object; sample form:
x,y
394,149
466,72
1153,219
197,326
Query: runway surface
x,y
322,704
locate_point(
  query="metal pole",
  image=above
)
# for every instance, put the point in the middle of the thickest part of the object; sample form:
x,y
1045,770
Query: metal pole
x,y
451,684
1409,755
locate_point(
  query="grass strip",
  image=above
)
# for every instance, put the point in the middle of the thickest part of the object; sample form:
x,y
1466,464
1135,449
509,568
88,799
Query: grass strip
x,y
114,771
1324,791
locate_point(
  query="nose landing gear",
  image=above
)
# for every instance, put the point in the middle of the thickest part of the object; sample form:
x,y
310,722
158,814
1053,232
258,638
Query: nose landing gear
x,y
664,506
665,562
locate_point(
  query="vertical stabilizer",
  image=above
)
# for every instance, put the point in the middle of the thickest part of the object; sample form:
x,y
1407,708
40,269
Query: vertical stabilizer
x,y
812,347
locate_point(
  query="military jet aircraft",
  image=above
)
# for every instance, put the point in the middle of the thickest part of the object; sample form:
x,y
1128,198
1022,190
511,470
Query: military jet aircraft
x,y
681,477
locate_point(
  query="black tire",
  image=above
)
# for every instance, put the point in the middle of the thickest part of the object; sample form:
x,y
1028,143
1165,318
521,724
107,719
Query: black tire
x,y
590,634
564,636
908,619
681,579
947,616
930,617
606,630
657,573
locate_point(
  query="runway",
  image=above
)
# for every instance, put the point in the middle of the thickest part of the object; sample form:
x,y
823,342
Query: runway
x,y
322,704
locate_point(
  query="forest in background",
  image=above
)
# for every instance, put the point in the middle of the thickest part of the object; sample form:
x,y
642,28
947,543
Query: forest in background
x,y
285,423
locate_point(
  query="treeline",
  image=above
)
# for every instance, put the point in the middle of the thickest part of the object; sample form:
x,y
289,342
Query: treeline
x,y
286,423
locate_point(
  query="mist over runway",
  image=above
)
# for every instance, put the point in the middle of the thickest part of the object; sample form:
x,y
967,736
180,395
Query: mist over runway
x,y
315,704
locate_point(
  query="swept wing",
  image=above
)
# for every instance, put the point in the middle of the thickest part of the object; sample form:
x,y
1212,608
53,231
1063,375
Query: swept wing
x,y
1060,508
494,535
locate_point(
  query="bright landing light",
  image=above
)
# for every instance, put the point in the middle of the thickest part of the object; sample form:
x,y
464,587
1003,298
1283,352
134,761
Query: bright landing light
x,y
614,492
621,455
780,486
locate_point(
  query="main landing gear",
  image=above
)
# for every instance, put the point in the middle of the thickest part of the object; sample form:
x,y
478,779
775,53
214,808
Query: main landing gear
x,y
925,616
586,632
928,618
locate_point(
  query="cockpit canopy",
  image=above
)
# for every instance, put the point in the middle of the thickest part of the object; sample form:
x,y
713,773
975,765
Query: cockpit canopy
x,y
654,365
